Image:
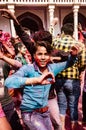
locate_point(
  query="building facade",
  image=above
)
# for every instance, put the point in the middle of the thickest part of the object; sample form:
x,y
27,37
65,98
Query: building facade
x,y
38,14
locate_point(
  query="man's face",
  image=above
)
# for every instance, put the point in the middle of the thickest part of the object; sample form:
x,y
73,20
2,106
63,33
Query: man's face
x,y
23,50
41,57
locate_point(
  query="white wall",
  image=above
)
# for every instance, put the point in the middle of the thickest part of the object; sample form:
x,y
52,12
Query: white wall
x,y
5,24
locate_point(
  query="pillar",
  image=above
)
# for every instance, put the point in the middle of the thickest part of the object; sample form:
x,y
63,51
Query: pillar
x,y
75,11
13,33
51,16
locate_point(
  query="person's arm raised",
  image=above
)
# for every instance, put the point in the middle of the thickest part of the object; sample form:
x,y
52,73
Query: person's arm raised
x,y
10,61
19,29
9,15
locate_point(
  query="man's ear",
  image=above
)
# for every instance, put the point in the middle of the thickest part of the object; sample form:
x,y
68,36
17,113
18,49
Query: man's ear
x,y
19,49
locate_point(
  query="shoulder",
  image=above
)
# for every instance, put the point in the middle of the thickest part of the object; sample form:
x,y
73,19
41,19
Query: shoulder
x,y
28,66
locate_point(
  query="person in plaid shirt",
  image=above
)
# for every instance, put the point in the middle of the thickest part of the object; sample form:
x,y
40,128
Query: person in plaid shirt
x,y
68,82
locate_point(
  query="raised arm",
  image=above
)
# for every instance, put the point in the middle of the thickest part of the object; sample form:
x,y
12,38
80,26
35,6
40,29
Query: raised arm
x,y
10,49
19,30
9,15
72,59
10,61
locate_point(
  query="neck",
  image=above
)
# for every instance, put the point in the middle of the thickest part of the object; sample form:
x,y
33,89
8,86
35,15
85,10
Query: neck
x,y
19,54
43,70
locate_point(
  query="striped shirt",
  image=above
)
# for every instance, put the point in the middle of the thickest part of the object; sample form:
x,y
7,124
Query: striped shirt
x,y
65,44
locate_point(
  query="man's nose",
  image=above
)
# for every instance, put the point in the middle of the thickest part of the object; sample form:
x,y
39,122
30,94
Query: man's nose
x,y
43,57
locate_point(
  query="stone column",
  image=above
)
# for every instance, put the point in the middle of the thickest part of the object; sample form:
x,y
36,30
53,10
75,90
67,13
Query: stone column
x,y
75,11
51,16
13,32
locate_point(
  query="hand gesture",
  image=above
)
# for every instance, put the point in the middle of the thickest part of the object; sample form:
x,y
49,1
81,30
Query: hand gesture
x,y
76,49
47,78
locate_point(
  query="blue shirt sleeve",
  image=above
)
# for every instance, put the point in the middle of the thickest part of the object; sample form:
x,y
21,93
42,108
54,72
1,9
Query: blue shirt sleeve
x,y
58,67
18,79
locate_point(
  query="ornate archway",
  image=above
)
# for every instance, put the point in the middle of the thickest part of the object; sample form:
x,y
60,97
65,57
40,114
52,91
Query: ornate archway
x,y
31,21
81,19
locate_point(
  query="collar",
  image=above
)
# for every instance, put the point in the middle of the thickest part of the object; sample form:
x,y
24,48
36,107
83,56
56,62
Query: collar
x,y
37,68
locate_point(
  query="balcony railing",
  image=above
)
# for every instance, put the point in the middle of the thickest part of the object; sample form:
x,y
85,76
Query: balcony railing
x,y
44,2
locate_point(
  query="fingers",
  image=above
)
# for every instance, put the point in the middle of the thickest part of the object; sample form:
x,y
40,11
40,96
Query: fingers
x,y
54,21
48,78
5,13
5,16
52,76
55,59
4,10
49,75
76,49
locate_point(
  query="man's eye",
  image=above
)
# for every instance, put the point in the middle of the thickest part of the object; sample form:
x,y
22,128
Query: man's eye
x,y
39,54
46,54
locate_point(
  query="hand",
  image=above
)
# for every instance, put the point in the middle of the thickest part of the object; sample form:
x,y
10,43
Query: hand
x,y
55,59
79,27
9,48
76,49
82,77
47,78
54,21
8,14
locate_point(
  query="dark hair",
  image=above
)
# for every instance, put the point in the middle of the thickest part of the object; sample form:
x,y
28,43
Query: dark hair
x,y
68,29
42,35
45,44
16,46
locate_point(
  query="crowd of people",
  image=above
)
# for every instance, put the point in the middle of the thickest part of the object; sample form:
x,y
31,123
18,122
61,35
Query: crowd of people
x,y
40,78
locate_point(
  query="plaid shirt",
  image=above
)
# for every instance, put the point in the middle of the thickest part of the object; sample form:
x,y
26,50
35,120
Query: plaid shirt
x,y
65,44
